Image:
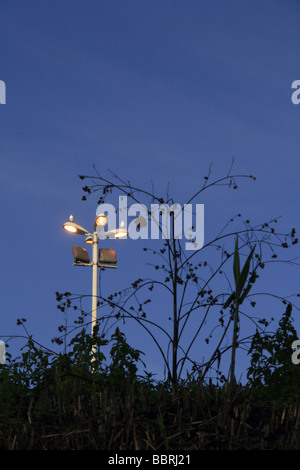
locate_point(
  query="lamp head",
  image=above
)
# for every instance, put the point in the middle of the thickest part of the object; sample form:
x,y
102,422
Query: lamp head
x,y
121,232
75,228
89,240
100,221
70,228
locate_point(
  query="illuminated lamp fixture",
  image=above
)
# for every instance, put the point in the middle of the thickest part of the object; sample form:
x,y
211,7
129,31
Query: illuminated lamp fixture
x,y
105,258
115,233
100,221
89,240
74,228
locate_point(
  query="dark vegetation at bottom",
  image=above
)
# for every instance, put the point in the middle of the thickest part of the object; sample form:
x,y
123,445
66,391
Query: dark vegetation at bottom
x,y
83,416
62,403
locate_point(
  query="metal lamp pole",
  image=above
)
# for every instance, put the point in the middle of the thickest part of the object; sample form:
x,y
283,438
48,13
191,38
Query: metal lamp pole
x,y
81,257
94,286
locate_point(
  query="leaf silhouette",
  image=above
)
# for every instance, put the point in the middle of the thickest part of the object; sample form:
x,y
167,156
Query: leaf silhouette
x,y
236,262
244,274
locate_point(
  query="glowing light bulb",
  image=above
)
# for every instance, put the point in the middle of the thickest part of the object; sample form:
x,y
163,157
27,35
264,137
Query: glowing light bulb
x,y
101,220
70,228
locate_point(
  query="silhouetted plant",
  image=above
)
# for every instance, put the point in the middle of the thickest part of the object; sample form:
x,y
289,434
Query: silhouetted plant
x,y
124,358
272,373
69,405
187,283
238,297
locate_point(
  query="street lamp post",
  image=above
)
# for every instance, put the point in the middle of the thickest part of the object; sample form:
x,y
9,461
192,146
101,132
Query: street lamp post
x,y
2,352
81,257
95,282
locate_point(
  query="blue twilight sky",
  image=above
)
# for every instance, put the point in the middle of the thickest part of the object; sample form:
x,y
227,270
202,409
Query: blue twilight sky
x,y
154,91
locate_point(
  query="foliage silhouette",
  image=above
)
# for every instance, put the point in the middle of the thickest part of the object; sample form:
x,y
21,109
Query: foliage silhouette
x,y
61,402
240,278
86,398
272,374
189,285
